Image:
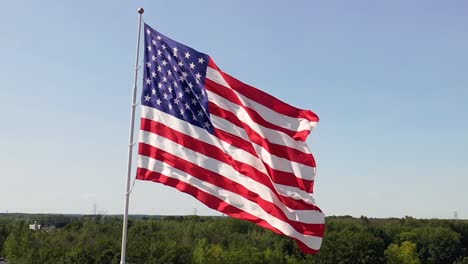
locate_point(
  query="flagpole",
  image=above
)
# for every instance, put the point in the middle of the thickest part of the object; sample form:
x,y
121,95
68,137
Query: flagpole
x,y
130,144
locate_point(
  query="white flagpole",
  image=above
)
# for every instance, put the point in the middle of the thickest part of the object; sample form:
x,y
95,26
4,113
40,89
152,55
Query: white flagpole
x,y
130,144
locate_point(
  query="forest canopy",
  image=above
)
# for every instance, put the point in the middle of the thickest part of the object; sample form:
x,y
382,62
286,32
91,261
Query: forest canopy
x,y
197,239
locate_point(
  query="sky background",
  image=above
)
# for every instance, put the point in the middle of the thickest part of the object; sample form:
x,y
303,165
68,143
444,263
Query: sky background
x,y
389,80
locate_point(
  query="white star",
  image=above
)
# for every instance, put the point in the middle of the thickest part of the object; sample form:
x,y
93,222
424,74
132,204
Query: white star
x,y
165,96
182,112
158,102
192,65
170,106
149,47
181,94
159,68
206,125
180,64
148,31
163,46
190,85
153,91
153,58
148,64
201,60
159,52
184,76
169,58
164,79
187,55
153,74
159,85
203,92
198,75
154,42
164,62
175,51
176,101
169,73
147,98
148,81
169,89
197,81
187,90
158,37
175,84
187,106
200,113
194,101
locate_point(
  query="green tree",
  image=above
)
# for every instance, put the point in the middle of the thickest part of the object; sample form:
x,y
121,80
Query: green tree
x,y
436,245
357,246
201,252
20,246
3,235
462,261
406,253
81,256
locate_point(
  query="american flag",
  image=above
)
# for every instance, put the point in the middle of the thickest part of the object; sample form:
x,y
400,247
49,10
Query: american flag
x,y
235,148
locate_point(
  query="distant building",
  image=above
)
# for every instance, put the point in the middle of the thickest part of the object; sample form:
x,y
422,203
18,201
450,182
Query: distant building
x,y
35,226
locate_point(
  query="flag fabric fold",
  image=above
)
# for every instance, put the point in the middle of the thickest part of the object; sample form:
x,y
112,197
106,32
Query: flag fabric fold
x,y
232,146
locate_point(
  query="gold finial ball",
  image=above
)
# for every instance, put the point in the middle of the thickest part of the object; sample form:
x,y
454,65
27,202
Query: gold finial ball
x,y
141,10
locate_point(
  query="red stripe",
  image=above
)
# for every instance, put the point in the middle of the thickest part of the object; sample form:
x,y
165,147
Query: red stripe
x,y
264,98
228,94
217,204
275,149
245,169
225,183
235,141
277,176
280,177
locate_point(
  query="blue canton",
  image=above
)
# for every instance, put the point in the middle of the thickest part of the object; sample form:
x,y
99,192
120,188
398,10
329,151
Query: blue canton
x,y
174,79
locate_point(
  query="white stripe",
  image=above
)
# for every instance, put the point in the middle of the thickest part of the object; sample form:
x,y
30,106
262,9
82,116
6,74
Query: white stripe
x,y
271,135
227,171
297,169
237,154
229,197
275,162
290,123
202,135
294,193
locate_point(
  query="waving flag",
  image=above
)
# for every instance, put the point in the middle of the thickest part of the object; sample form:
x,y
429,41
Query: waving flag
x,y
235,148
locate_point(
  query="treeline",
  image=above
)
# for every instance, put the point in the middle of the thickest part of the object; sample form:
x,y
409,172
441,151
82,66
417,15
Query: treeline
x,y
206,240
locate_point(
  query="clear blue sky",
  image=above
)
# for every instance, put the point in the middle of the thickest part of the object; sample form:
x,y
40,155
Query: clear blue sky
x,y
389,80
